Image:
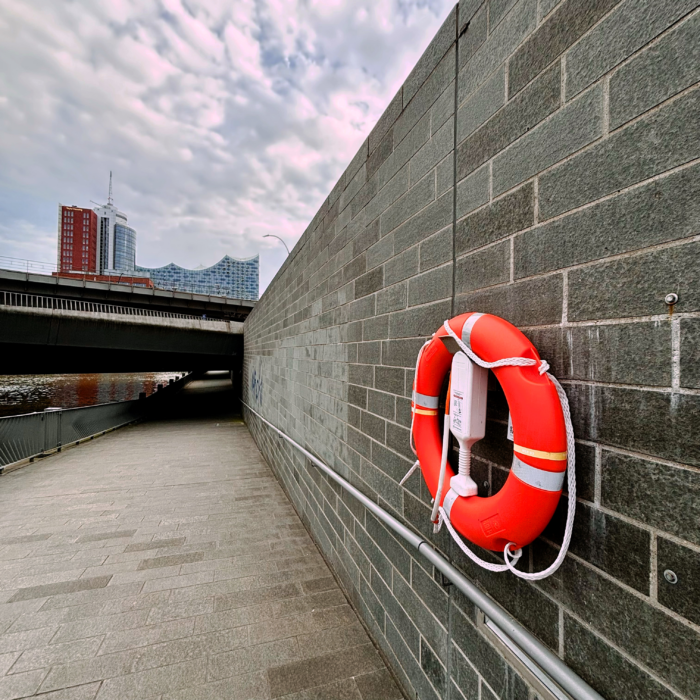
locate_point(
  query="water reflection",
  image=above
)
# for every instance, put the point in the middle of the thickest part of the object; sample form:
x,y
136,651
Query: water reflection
x,y
35,392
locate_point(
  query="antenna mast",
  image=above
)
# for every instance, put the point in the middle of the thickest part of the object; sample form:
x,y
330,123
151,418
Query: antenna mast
x,y
109,199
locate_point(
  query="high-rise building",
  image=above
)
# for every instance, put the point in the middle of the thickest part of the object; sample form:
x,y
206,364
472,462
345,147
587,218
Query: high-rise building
x,y
117,239
78,242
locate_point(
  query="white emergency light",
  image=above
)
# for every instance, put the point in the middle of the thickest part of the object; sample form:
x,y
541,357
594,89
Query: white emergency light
x,y
469,385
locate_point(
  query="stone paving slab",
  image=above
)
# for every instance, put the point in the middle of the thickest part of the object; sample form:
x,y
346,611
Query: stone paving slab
x,y
164,561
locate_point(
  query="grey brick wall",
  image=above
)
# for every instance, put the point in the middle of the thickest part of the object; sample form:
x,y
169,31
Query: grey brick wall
x,y
542,163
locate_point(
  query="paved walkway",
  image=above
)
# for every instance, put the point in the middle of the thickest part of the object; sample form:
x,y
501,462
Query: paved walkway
x,y
164,561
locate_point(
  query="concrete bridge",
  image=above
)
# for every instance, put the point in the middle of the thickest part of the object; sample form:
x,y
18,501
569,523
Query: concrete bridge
x,y
125,295
165,561
51,335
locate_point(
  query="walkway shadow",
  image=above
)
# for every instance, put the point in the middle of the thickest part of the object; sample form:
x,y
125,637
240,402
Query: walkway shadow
x,y
211,396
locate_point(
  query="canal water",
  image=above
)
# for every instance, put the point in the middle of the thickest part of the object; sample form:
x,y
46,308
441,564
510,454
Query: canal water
x,y
35,392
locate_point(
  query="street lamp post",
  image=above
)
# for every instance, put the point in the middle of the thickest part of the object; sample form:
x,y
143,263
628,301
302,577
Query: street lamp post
x,y
272,235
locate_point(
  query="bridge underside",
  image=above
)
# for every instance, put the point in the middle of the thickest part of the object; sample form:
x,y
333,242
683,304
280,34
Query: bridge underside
x,y
18,358
40,341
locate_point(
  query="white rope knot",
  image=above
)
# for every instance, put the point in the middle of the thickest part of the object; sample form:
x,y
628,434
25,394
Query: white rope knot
x,y
544,367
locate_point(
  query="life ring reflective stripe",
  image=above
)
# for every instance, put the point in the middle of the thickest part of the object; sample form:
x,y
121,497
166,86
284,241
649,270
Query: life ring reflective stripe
x,y
520,511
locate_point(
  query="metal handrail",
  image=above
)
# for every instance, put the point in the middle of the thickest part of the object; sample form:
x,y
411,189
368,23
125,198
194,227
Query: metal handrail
x,y
538,652
19,299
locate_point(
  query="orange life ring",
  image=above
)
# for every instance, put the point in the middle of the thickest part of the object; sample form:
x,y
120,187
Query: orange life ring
x,y
521,510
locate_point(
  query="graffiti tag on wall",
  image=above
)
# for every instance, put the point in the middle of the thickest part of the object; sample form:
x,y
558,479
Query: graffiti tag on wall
x,y
256,385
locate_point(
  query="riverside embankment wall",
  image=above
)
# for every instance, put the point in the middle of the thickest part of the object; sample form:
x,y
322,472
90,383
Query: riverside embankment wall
x,y
541,162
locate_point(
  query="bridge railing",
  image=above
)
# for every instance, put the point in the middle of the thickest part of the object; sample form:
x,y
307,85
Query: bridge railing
x,y
37,434
33,301
32,435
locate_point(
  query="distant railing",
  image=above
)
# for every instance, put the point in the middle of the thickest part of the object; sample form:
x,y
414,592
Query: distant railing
x,y
33,301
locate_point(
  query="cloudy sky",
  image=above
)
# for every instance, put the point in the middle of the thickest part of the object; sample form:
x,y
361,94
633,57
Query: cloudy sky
x,y
223,120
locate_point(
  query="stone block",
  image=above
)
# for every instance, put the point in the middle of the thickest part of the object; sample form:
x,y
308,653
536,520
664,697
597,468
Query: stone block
x,y
397,614
661,140
464,677
401,353
445,175
430,286
681,596
369,282
669,66
621,417
630,26
385,122
467,9
576,125
512,213
374,427
432,667
383,150
382,404
401,266
609,543
431,626
562,29
483,269
421,102
392,299
397,438
498,9
389,379
369,353
546,6
443,109
391,548
474,35
433,152
605,669
361,309
664,644
510,123
473,191
380,252
419,321
659,495
509,34
357,396
636,286
362,375
388,194
366,238
608,353
352,188
436,249
480,106
480,653
419,196
663,210
438,47
529,303
690,353
435,216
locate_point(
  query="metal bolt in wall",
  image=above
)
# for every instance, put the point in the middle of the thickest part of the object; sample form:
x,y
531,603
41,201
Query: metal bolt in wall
x,y
670,576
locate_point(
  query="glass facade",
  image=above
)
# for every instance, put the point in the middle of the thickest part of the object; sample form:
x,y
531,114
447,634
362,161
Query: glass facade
x,y
229,277
124,248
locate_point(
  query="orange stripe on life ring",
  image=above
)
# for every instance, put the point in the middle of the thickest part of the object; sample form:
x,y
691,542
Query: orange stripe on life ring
x,y
556,456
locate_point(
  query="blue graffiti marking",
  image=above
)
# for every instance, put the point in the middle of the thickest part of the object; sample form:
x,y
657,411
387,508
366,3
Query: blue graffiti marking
x,y
256,384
